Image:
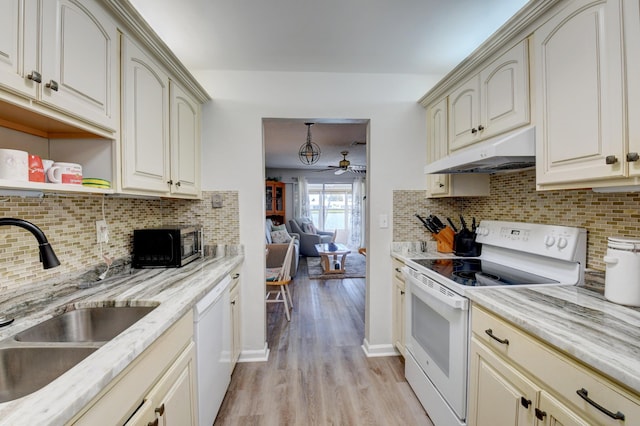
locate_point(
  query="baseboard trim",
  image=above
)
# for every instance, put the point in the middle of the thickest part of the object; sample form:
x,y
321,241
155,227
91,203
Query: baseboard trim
x,y
372,351
259,355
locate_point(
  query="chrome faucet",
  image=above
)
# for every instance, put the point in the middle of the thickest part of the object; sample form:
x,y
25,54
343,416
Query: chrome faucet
x,y
47,256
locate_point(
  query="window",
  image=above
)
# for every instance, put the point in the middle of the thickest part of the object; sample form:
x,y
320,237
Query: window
x,y
330,206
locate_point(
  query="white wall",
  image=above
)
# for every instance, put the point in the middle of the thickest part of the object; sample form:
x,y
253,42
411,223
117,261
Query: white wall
x,y
233,160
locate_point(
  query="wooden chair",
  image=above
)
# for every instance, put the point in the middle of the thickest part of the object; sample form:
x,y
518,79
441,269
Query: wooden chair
x,y
280,277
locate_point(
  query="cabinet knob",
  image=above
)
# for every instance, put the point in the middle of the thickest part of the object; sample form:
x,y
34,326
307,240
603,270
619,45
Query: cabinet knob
x,y
170,182
160,410
633,156
611,159
35,76
53,85
440,184
480,128
540,415
153,423
525,402
402,292
178,183
474,131
236,276
233,302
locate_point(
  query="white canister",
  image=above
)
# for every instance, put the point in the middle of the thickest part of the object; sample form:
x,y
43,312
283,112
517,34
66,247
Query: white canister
x,y
622,279
14,165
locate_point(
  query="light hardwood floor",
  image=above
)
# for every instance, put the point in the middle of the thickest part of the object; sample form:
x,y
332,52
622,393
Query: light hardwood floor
x,y
317,372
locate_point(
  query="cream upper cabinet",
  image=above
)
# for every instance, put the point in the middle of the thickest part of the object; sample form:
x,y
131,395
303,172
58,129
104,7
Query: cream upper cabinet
x,y
579,94
64,54
145,122
632,60
437,146
493,101
185,142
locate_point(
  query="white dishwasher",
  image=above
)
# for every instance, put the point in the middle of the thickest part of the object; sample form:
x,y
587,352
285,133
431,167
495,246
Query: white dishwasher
x,y
212,331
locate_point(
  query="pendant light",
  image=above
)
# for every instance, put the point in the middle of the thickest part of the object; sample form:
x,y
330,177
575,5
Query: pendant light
x,y
309,152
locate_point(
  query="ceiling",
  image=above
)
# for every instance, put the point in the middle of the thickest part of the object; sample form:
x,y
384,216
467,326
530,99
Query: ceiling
x,y
343,36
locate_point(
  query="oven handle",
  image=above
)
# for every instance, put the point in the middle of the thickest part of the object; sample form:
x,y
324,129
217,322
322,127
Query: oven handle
x,y
453,301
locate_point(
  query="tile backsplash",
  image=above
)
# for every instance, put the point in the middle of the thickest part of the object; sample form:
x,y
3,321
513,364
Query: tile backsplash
x,y
514,198
69,224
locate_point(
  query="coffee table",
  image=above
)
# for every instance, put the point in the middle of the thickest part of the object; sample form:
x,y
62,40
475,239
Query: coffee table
x,y
329,260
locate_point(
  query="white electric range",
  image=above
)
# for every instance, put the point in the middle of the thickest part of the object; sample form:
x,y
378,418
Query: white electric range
x,y
513,254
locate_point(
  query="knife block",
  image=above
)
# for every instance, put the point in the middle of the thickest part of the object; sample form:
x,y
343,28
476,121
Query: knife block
x,y
445,238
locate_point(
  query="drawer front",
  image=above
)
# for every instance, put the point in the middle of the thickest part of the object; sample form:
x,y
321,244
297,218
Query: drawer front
x,y
397,269
563,376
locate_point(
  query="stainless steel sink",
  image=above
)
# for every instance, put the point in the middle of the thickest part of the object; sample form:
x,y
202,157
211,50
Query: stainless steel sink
x,y
99,324
24,370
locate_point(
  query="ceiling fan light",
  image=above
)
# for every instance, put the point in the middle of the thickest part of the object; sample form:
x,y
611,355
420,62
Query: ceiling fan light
x,y
309,152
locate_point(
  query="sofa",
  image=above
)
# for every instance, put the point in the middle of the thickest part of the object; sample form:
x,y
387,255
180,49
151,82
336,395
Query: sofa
x,y
309,236
277,250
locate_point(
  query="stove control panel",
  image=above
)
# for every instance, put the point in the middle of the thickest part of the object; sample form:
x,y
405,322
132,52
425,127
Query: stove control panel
x,y
558,242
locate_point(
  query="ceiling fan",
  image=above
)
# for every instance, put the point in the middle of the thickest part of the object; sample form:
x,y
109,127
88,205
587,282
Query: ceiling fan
x,y
345,166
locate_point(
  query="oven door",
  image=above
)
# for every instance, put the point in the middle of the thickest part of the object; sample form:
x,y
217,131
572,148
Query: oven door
x,y
437,336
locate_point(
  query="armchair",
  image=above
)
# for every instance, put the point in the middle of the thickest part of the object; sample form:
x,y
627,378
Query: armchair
x,y
308,240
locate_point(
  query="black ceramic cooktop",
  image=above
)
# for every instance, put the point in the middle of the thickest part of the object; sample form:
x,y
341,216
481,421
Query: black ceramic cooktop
x,y
478,272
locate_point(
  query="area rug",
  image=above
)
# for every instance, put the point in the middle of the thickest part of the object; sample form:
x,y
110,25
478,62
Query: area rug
x,y
356,268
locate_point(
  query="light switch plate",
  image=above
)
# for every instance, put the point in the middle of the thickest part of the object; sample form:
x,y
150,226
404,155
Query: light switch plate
x,y
384,221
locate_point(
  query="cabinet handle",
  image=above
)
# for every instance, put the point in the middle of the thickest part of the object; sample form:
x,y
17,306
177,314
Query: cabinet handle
x,y
170,182
398,270
53,85
497,339
160,410
236,276
480,128
633,156
525,402
178,183
233,302
584,394
611,159
540,415
35,76
402,292
440,184
153,423
474,131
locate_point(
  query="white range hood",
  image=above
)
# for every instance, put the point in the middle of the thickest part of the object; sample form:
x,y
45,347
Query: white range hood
x,y
513,151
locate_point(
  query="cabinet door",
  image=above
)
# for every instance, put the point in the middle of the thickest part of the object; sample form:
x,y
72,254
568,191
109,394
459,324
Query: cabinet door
x,y
18,41
236,343
185,142
398,315
632,59
464,114
578,56
499,395
437,146
80,55
504,92
552,412
145,123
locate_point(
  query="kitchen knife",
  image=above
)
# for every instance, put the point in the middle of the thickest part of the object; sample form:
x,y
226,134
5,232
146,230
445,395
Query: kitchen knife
x,y
438,222
425,223
433,225
464,224
473,224
452,225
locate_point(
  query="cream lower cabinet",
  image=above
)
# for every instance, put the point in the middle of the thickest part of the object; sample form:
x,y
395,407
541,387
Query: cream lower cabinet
x,y
516,379
398,300
236,325
580,102
159,385
62,54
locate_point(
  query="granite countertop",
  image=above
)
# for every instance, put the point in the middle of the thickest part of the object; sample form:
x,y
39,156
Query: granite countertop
x,y
175,291
578,320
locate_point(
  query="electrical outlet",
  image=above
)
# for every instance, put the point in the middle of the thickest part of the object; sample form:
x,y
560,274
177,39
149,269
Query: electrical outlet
x,y
102,231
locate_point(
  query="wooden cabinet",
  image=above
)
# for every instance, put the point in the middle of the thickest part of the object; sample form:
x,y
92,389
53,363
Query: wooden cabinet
x,y
398,327
516,379
275,201
160,129
62,54
236,325
493,101
443,185
159,384
579,95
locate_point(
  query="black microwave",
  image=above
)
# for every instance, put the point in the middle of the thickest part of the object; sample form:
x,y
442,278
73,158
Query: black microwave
x,y
166,247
